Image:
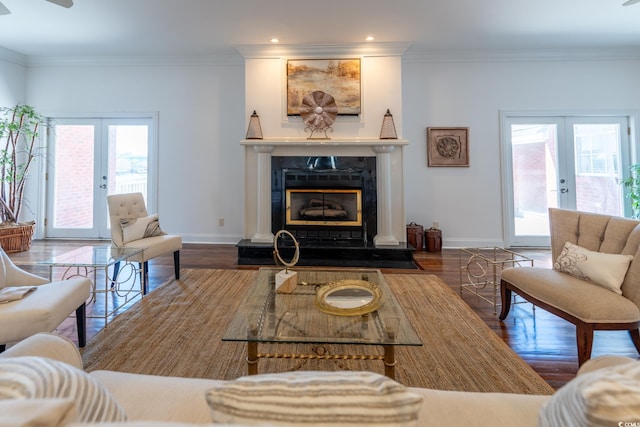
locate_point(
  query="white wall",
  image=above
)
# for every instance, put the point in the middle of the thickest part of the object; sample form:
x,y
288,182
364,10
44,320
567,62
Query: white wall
x,y
201,121
203,117
468,201
381,83
13,84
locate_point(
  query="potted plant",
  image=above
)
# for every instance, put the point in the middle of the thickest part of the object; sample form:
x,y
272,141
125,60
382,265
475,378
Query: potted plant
x,y
632,185
19,146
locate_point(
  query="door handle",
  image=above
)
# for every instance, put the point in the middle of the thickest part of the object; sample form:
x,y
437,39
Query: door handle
x,y
564,190
104,186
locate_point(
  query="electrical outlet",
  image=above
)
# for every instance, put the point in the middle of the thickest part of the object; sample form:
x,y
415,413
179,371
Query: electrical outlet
x,y
221,222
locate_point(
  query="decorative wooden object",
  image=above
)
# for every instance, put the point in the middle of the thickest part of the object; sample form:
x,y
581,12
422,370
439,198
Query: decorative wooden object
x,y
286,281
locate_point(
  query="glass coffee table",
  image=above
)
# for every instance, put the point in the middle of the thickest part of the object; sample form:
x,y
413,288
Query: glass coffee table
x,y
265,316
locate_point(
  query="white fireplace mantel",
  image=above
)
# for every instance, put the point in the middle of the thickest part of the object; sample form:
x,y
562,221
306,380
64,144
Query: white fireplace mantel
x,y
390,181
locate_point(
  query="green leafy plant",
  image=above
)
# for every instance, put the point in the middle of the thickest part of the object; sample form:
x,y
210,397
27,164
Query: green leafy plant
x,y
19,146
632,186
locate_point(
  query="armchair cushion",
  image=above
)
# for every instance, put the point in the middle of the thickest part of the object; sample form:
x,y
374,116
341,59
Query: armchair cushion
x,y
593,304
139,228
32,377
14,293
606,270
43,310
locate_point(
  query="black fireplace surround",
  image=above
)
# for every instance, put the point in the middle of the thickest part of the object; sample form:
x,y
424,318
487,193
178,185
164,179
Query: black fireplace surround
x,y
326,241
325,173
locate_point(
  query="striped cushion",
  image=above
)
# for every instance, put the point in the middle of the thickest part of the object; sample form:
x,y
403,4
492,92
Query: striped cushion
x,y
315,399
607,396
30,377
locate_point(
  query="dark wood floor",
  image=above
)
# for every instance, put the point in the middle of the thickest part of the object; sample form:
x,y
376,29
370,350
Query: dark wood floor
x,y
544,341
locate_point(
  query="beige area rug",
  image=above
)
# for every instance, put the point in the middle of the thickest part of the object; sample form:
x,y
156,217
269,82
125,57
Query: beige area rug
x,y
176,330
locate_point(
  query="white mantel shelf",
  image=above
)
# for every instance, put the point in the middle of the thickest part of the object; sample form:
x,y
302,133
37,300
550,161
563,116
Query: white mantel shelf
x,y
337,142
389,171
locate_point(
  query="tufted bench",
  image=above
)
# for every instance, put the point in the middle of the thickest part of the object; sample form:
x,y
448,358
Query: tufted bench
x,y
587,305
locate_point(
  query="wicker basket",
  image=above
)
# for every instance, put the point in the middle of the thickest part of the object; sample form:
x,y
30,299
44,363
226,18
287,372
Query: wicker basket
x,y
16,237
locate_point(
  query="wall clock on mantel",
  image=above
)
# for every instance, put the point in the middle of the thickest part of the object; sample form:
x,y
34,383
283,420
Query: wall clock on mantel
x,y
318,111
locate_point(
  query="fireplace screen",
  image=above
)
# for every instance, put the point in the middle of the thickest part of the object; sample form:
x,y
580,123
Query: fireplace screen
x,y
324,207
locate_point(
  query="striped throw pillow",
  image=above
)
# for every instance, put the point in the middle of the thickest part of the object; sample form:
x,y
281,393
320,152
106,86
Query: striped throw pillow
x,y
345,398
604,397
30,377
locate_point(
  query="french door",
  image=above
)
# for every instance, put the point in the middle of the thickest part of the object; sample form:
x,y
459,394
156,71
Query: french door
x,y
87,160
568,162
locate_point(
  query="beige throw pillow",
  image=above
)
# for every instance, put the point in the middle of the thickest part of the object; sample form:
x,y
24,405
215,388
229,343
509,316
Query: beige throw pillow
x,y
317,398
606,270
31,377
139,228
605,397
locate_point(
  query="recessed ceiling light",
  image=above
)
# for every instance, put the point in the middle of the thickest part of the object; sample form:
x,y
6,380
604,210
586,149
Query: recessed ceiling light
x,y
370,38
275,40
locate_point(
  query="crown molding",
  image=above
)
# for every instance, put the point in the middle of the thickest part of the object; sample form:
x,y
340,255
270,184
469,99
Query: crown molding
x,y
219,59
594,54
13,57
236,57
327,50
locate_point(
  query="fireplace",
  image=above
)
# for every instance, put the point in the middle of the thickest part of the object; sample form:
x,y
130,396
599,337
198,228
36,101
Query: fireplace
x,y
370,164
324,204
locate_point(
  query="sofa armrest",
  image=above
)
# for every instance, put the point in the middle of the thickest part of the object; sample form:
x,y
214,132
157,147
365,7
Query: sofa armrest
x,y
603,362
49,345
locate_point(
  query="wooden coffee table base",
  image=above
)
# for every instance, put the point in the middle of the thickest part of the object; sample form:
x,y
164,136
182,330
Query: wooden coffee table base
x,y
388,358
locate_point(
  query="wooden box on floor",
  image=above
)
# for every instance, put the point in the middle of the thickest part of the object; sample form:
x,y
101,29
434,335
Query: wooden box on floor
x,y
415,233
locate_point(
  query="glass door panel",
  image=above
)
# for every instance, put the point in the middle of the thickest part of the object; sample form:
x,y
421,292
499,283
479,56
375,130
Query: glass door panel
x,y
564,162
535,172
72,160
597,171
91,158
128,146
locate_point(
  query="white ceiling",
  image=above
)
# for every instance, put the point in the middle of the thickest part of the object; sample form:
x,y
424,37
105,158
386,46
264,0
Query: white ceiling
x,y
205,27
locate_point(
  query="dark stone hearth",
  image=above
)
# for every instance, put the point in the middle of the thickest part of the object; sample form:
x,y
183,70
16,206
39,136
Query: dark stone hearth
x,y
339,253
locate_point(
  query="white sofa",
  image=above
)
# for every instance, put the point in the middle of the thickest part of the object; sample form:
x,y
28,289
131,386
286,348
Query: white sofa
x,y
166,400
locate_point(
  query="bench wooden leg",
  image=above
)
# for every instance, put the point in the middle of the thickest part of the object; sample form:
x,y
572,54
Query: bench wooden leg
x,y
505,295
584,338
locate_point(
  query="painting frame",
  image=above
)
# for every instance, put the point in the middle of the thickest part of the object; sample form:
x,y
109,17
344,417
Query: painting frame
x,y
339,77
448,146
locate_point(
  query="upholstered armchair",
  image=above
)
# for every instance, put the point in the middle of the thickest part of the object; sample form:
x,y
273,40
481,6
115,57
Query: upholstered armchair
x,y
25,312
595,279
133,227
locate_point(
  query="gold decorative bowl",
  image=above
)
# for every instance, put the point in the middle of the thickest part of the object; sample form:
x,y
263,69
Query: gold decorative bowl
x,y
348,297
